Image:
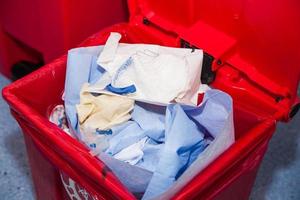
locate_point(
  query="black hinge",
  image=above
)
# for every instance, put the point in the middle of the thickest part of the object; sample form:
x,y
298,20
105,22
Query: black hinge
x,y
207,75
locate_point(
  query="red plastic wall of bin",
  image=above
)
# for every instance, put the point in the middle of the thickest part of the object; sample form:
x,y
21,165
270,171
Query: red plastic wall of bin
x,y
42,30
231,176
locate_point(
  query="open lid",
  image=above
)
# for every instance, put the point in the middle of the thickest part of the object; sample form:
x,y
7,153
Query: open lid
x,y
260,38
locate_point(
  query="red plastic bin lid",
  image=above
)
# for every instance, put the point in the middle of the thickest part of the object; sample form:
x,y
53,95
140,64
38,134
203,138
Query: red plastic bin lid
x,y
260,38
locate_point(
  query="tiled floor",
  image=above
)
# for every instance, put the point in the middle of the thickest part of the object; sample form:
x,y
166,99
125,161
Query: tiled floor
x,y
278,178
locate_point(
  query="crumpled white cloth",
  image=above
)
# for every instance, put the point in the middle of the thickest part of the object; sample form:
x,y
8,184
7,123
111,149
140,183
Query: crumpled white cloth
x,y
159,74
133,153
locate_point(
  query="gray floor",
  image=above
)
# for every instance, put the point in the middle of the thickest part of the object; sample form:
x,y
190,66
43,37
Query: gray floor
x,y
15,175
278,178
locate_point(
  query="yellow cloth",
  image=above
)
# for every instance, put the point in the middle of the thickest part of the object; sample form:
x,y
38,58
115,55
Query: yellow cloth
x,y
102,112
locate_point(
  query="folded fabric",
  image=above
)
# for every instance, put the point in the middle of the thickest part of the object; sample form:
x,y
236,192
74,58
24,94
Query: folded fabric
x,y
102,111
97,113
149,72
189,131
143,135
133,153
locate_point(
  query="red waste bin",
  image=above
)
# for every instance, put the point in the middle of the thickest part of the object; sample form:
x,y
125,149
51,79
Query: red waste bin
x,y
38,31
248,53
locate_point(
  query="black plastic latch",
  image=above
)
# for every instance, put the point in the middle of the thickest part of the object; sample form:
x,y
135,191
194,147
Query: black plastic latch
x,y
207,75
